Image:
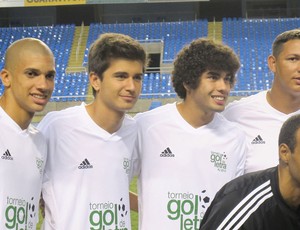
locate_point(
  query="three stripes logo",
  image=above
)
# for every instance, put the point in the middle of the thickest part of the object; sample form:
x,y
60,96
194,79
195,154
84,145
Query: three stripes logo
x,y
167,153
243,210
85,164
7,156
258,140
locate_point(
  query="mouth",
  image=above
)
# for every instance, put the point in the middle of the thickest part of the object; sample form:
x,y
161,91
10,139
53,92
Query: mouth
x,y
129,97
39,96
220,100
40,99
297,81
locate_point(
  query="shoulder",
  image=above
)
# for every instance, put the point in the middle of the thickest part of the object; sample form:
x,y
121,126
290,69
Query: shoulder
x,y
63,117
236,196
246,103
248,182
159,113
229,126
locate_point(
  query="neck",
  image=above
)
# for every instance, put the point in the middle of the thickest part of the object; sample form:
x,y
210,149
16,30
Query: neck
x,y
283,101
21,117
289,188
193,115
108,120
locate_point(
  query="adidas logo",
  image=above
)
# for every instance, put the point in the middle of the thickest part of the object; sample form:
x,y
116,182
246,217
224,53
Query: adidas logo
x,y
85,164
7,156
258,140
167,153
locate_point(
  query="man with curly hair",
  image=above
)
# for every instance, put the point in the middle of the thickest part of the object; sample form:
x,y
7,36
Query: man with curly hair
x,y
187,151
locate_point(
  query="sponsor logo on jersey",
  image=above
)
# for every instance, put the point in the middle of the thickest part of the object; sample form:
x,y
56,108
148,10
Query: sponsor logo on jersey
x,y
167,153
258,140
85,164
39,164
20,214
187,209
126,165
7,156
219,160
109,215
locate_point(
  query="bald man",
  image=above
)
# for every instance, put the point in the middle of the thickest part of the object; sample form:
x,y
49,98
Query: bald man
x,y
28,79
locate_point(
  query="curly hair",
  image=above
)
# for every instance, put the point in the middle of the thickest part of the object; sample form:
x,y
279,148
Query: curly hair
x,y
199,56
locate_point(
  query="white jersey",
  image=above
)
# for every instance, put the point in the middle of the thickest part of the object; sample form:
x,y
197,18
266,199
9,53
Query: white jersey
x,y
22,158
262,124
87,173
181,167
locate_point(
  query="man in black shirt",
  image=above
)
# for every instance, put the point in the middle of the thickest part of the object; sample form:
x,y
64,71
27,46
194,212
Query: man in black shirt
x,y
263,200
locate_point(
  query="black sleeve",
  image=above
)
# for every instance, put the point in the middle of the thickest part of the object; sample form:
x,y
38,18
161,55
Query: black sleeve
x,y
220,207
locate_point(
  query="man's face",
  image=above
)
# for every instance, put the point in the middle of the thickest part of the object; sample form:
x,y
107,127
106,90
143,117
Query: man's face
x,y
30,81
294,162
286,67
212,92
121,85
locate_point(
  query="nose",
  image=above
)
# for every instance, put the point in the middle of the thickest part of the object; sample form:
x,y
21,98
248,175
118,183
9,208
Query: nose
x,y
43,83
223,85
130,84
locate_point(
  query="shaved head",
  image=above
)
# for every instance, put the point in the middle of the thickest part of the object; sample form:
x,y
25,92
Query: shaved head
x,y
20,48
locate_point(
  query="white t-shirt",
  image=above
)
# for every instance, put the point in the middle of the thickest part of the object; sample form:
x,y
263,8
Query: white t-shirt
x,y
87,173
181,168
22,157
262,124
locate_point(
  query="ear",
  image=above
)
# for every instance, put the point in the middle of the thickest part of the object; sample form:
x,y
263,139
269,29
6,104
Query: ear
x,y
5,77
284,153
272,63
95,81
187,88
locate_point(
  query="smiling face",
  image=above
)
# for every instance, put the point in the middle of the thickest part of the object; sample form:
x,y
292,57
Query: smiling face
x,y
212,92
28,78
286,68
120,86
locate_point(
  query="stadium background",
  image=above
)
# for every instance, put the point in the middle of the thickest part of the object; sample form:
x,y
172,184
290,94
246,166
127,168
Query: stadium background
x,y
162,26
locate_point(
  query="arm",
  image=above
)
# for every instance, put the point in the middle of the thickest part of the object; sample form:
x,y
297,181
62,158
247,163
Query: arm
x,y
133,197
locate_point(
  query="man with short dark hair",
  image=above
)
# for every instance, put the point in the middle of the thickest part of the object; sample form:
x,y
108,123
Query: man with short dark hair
x,y
90,146
261,115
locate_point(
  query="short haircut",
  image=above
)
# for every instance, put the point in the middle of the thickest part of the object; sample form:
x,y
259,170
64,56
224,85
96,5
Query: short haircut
x,y
111,46
288,132
283,38
199,56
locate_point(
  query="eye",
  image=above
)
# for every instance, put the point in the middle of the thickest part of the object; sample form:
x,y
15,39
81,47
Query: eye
x,y
228,79
50,76
293,59
138,77
121,76
213,77
31,74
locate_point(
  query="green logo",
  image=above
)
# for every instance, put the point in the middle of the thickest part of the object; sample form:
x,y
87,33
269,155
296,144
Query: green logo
x,y
20,214
126,165
108,216
187,209
219,160
39,164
